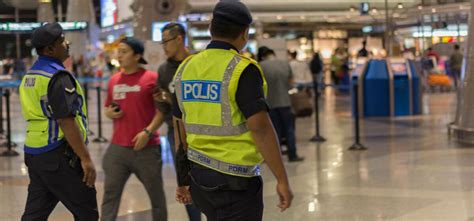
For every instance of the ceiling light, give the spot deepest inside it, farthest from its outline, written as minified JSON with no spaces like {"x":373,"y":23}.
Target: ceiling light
{"x":352,"y":9}
{"x":400,"y":5}
{"x":420,"y":6}
{"x":279,"y":17}
{"x":303,"y":17}
{"x":374,"y":10}
{"x":433,"y":10}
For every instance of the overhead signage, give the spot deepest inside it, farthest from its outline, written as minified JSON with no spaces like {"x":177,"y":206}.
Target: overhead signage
{"x":373,"y":29}
{"x":30,"y":26}
{"x":367,"y":29}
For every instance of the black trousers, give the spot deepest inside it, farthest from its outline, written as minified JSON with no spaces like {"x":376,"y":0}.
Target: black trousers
{"x":223,"y":197}
{"x":55,"y":178}
{"x":284,"y":122}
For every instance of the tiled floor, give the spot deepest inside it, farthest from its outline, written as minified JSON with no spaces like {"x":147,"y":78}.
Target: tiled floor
{"x":410,"y":172}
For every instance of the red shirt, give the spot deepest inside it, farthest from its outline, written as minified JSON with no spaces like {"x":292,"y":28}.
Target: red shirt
{"x":134,"y":95}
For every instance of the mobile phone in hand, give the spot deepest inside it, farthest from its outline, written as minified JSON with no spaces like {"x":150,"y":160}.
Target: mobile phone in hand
{"x":115,"y":106}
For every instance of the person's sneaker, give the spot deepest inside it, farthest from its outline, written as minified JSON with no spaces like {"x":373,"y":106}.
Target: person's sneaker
{"x":296,"y":159}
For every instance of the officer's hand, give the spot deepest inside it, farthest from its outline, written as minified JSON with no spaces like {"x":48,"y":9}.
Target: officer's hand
{"x":89,"y":172}
{"x":162,"y":96}
{"x":285,"y":194}
{"x":140,"y":140}
{"x":183,"y":195}
{"x":112,"y":114}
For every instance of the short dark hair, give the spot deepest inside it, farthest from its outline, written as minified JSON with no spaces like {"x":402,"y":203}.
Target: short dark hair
{"x":227,"y":31}
{"x":175,"y":29}
{"x":293,"y":54}
{"x":264,"y":52}
{"x":39,"y":51}
{"x":457,"y":47}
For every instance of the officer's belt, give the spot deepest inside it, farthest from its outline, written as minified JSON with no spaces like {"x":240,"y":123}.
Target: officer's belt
{"x":228,"y":168}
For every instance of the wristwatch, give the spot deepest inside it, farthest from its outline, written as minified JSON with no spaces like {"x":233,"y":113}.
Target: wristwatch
{"x":150,"y":134}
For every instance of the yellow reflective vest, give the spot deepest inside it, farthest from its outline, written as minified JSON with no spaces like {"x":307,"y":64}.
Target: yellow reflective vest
{"x":43,"y":133}
{"x":217,"y":136}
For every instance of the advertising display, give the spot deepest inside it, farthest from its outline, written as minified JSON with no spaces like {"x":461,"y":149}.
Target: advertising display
{"x":108,"y":13}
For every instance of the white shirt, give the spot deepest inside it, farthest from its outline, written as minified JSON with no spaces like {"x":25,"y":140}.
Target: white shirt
{"x":301,"y":72}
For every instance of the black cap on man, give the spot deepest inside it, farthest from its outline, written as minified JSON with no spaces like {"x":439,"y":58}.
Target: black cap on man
{"x":46,"y":35}
{"x":230,"y":19}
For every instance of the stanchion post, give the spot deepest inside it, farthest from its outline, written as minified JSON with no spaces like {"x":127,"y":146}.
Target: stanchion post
{"x":357,"y":145}
{"x":86,"y":95}
{"x":1,"y":113}
{"x":317,"y":137}
{"x":100,"y":138}
{"x":9,"y":151}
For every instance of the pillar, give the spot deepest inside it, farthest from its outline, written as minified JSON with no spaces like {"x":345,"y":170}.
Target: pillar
{"x":148,"y":11}
{"x":81,"y":41}
{"x":45,"y":11}
{"x":462,"y":129}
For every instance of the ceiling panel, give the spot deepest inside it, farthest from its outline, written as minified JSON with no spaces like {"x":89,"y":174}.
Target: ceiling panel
{"x":299,"y":5}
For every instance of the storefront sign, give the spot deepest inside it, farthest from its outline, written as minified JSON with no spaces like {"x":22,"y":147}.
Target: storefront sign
{"x":332,"y":34}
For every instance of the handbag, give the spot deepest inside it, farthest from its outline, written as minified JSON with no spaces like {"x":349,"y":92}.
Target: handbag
{"x":301,"y":102}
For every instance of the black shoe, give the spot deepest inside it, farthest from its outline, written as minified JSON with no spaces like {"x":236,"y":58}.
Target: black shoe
{"x":284,"y":152}
{"x":296,"y":159}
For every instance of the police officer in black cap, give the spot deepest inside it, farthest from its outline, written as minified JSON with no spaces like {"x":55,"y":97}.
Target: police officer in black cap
{"x":59,"y":165}
{"x":224,"y":151}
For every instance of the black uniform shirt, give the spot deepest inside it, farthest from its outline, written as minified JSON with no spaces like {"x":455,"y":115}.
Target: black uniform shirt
{"x":250,"y":96}
{"x":63,"y":99}
{"x":165,"y":82}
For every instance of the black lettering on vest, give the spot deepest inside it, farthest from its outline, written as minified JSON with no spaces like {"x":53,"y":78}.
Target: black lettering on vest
{"x":237,"y":169}
{"x":30,"y":82}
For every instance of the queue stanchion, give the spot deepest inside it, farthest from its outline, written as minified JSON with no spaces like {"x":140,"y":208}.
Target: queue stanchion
{"x":86,"y":95}
{"x":2,"y":131}
{"x":357,"y":145}
{"x":9,"y":152}
{"x":317,"y":137}
{"x":99,"y":138}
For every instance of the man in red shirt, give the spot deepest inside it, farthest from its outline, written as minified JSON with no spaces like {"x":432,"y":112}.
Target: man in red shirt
{"x":134,"y":147}
{"x":433,"y":53}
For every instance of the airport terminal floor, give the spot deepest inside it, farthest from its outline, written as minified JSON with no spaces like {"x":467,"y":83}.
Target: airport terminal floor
{"x":411,"y":171}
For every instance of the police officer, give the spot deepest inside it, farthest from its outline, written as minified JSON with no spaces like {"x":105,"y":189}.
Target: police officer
{"x":53,"y":103}
{"x":221,"y":118}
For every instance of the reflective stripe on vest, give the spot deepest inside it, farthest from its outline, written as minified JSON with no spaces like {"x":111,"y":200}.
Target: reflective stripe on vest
{"x":39,"y":72}
{"x":234,"y":169}
{"x":43,"y":133}
{"x":227,"y":129}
